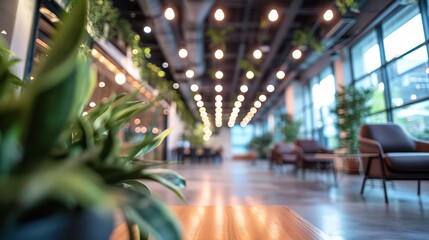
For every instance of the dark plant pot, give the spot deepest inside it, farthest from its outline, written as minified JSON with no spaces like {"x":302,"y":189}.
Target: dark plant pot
{"x":351,"y":165}
{"x":79,"y":225}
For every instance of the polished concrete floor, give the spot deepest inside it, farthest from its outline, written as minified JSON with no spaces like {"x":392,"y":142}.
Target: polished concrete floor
{"x":339,"y":210}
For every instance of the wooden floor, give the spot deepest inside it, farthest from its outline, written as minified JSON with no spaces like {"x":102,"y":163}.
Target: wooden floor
{"x":339,"y":210}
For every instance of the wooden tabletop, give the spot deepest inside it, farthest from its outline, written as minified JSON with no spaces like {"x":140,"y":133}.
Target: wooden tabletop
{"x":241,"y":222}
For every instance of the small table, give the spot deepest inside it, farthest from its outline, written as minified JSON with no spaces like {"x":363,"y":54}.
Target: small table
{"x":340,"y":158}
{"x":239,"y":222}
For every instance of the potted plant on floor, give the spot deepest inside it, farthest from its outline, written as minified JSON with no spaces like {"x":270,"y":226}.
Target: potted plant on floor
{"x":260,"y":145}
{"x":61,"y":173}
{"x":351,"y":109}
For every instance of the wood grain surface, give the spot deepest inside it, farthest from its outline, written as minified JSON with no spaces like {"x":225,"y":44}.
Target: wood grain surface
{"x":239,"y":222}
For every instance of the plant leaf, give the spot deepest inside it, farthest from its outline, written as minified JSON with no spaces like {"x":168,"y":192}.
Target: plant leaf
{"x":153,"y":217}
{"x":148,"y":144}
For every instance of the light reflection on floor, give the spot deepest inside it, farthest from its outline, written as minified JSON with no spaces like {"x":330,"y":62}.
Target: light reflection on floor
{"x":339,"y":211}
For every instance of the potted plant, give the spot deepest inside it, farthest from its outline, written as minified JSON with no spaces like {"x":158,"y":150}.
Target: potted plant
{"x":352,"y":106}
{"x":289,"y":128}
{"x":261,"y":144}
{"x":61,"y":173}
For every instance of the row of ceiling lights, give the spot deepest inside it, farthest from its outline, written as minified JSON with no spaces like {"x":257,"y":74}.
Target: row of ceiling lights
{"x":219,"y":15}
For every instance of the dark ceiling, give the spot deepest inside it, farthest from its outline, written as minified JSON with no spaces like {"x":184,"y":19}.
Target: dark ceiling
{"x":249,"y":30}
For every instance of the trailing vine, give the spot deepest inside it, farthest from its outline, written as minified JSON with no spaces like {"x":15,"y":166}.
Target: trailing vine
{"x":104,"y":22}
{"x":305,"y":37}
{"x":347,"y":5}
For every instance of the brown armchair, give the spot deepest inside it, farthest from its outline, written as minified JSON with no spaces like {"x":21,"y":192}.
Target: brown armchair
{"x":283,"y":153}
{"x":307,"y":150}
{"x":397,"y":155}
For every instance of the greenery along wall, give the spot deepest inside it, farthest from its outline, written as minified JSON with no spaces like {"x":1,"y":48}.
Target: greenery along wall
{"x":104,"y":22}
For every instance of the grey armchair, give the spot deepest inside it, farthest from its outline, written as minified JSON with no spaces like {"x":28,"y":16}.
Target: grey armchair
{"x":283,"y":153}
{"x":307,"y":150}
{"x":397,"y":155}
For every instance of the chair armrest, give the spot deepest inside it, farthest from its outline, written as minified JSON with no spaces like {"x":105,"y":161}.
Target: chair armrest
{"x":367,"y":145}
{"x":325,"y":150}
{"x":421,"y":146}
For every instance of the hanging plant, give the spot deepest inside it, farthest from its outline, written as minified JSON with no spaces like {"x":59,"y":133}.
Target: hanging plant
{"x":247,"y":65}
{"x":347,"y":5}
{"x":303,"y":38}
{"x":218,"y":37}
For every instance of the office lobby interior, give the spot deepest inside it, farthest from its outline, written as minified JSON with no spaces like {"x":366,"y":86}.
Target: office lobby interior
{"x":214,"y":119}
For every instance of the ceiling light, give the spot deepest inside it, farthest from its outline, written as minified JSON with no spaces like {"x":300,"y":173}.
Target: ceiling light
{"x":101,"y":84}
{"x":240,"y":98}
{"x":280,"y":74}
{"x":198,"y":97}
{"x":120,"y":78}
{"x":189,"y":74}
{"x":183,"y":53}
{"x":244,"y":88}
{"x":262,"y":98}
{"x":253,"y":110}
{"x":297,"y":54}
{"x":169,"y":14}
{"x":218,"y":98}
{"x":270,"y":88}
{"x":194,"y":87}
{"x":218,"y":54}
{"x":219,"y":15}
{"x":147,"y":29}
{"x":218,"y":104}
{"x":200,"y":103}
{"x":165,"y":64}
{"x":238,"y":104}
{"x":328,"y":15}
{"x":257,"y":54}
{"x":257,"y":104}
{"x":250,"y":75}
{"x":218,"y":88}
{"x":273,"y":15}
{"x":176,"y":85}
{"x":219,"y":74}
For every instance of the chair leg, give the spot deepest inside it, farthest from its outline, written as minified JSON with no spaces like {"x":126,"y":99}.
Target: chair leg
{"x":334,"y":173}
{"x":418,"y":187}
{"x":385,"y":191}
{"x":362,"y":188}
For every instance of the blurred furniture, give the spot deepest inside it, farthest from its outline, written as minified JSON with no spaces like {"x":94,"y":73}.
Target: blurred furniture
{"x":398,"y":155}
{"x":283,"y":153}
{"x":307,"y":150}
{"x":238,"y":222}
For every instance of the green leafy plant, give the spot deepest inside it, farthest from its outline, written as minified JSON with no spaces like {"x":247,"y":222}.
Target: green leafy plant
{"x":247,"y":65}
{"x":289,"y":128}
{"x":261,"y":144}
{"x":352,"y":107}
{"x":104,"y":22}
{"x":347,"y":5}
{"x":53,"y":160}
{"x":305,"y":38}
{"x":218,"y":37}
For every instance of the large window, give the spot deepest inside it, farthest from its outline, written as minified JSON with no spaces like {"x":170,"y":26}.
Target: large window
{"x":318,"y":100}
{"x":393,"y":61}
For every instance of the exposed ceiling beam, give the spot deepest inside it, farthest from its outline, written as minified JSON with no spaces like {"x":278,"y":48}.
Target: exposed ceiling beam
{"x":241,"y":49}
{"x":284,"y":28}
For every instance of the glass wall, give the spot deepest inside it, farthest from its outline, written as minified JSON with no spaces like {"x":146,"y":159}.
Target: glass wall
{"x":315,"y":111}
{"x":393,"y":61}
